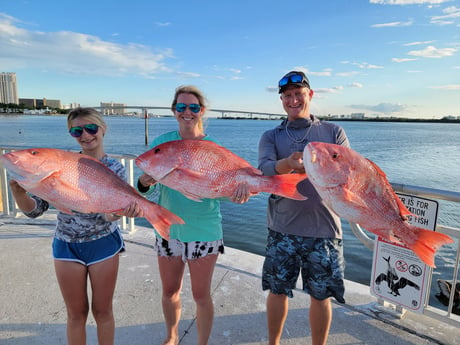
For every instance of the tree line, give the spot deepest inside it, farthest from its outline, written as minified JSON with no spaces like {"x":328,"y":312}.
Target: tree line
{"x":19,"y":108}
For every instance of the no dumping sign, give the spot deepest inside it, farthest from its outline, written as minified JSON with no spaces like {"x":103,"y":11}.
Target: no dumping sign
{"x":398,"y":275}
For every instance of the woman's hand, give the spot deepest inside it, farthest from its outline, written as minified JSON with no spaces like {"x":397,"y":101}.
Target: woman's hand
{"x":241,"y":194}
{"x":132,"y":211}
{"x":23,"y":200}
{"x":16,"y":189}
{"x":146,"y":180}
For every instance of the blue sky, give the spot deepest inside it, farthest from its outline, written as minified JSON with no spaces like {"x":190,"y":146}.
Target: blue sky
{"x":380,"y":57}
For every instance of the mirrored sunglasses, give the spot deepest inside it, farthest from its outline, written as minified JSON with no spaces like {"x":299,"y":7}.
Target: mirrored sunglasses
{"x":194,"y":108}
{"x":91,"y":128}
{"x":292,"y":79}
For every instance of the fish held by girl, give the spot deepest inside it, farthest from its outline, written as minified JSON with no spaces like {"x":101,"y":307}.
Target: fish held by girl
{"x":72,"y":181}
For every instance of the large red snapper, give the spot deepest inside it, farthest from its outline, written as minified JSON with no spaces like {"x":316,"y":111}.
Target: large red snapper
{"x":358,"y":190}
{"x":75,"y":182}
{"x":203,"y":169}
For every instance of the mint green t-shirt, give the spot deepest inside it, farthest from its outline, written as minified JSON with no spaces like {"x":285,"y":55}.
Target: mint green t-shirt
{"x":203,"y":220}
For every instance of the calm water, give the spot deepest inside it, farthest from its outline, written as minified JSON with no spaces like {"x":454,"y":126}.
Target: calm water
{"x":423,"y":154}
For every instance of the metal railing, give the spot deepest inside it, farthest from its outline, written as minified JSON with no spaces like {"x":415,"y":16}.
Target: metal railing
{"x":10,"y":210}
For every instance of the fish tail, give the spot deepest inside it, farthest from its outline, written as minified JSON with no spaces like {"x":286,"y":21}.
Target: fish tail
{"x":286,"y":186}
{"x":428,"y":243}
{"x":161,"y":219}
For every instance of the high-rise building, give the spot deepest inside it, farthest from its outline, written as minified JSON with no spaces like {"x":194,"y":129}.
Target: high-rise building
{"x":8,"y":88}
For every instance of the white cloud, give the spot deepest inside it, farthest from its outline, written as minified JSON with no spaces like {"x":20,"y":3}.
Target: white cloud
{"x":346,"y":74}
{"x":384,"y":108}
{"x":451,"y":14}
{"x":402,"y":59}
{"x":417,"y":43}
{"x":433,"y":52}
{"x":447,"y":87}
{"x":75,"y":53}
{"x":392,"y":24}
{"x":407,"y":2}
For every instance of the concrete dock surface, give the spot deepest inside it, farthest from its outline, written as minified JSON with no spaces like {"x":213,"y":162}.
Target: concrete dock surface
{"x":32,"y":310}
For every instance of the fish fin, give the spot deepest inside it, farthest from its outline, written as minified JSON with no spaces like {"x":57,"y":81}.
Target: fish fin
{"x":191,"y":196}
{"x":251,"y":171}
{"x":354,"y":198}
{"x":161,"y":218}
{"x":403,"y":211}
{"x":428,"y":243}
{"x":379,"y":171}
{"x":184,"y":175}
{"x":285,"y":185}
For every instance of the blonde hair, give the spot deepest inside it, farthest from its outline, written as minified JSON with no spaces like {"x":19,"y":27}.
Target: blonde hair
{"x":90,"y":113}
{"x":193,"y":90}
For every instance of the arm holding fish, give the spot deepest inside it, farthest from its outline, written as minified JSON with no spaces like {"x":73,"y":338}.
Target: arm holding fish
{"x":133,"y":210}
{"x":292,"y":163}
{"x":25,"y":202}
{"x":270,"y":161}
{"x":31,"y":206}
{"x":241,"y":193}
{"x":144,"y":182}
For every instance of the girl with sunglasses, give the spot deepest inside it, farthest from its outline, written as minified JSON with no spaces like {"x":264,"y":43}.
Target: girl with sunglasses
{"x":85,"y":245}
{"x":199,"y":241}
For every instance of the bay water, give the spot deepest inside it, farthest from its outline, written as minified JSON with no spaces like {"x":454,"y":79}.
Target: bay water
{"x":421,"y":154}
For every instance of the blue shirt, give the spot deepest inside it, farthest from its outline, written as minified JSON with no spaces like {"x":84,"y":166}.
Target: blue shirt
{"x":203,"y":220}
{"x":311,"y":217}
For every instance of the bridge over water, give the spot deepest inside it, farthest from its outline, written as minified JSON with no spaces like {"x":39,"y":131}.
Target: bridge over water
{"x":153,"y":111}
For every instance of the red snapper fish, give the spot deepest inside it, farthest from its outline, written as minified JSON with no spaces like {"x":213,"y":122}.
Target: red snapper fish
{"x":358,"y":191}
{"x":203,"y":169}
{"x":75,"y":182}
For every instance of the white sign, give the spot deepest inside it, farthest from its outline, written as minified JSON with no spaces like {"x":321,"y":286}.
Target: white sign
{"x":398,"y":275}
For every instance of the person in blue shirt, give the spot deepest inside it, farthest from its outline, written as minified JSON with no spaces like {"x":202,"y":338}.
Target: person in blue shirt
{"x":303,"y":236}
{"x":196,"y":243}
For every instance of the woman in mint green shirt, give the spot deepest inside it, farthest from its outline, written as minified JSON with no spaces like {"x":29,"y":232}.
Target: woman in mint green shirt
{"x":199,"y":241}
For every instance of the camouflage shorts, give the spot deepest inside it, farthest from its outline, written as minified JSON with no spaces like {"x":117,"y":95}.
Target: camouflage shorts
{"x":319,"y":260}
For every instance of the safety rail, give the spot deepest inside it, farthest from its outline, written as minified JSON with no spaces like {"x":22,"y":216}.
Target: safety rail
{"x":10,"y":210}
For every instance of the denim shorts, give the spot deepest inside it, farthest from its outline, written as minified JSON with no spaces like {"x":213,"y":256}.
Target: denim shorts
{"x":188,"y":250}
{"x":91,"y":252}
{"x":319,"y":260}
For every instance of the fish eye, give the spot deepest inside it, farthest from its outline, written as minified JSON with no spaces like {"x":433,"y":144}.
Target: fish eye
{"x":157,"y":150}
{"x":335,"y":155}
{"x":34,"y":152}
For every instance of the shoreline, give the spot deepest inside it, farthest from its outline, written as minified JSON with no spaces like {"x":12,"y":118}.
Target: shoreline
{"x":280,"y":117}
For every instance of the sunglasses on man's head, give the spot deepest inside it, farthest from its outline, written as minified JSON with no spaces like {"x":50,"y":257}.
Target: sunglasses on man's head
{"x":293,"y":79}
{"x":76,"y":132}
{"x":194,"y":108}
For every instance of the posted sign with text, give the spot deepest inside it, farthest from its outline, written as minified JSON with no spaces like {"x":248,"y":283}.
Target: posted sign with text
{"x":398,"y":275}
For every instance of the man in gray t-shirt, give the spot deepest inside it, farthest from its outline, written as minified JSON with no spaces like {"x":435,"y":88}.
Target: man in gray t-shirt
{"x":303,"y":236}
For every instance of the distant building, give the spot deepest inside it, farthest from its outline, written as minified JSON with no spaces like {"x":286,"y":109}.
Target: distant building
{"x":111,"y":108}
{"x":8,"y":88}
{"x":40,"y":103}
{"x":357,"y":116}
{"x":70,"y":106}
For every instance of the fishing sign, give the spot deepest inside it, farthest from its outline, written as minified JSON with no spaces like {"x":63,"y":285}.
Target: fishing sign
{"x":398,"y":275}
